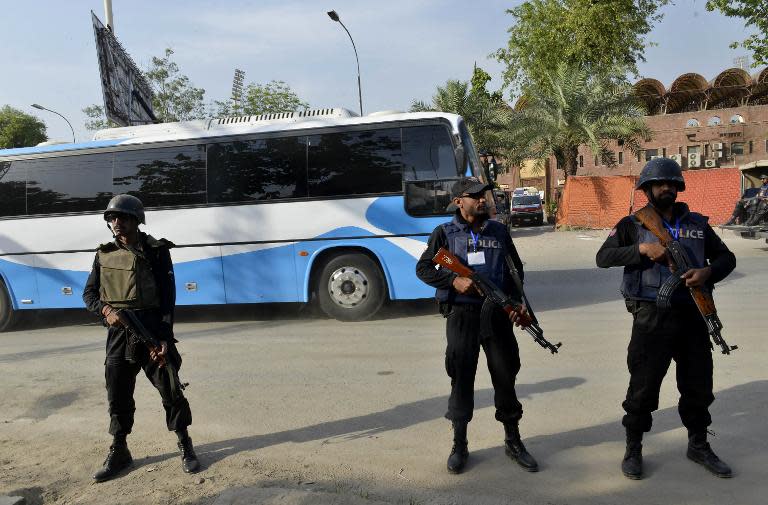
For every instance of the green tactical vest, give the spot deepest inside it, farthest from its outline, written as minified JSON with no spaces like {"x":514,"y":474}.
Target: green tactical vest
{"x":126,"y":279}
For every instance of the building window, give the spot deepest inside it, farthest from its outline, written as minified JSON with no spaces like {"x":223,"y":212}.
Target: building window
{"x":621,"y":157}
{"x":737,"y":148}
{"x":597,"y":161}
{"x":706,"y":150}
{"x":581,"y":161}
{"x":692,"y":123}
{"x":664,"y":152}
{"x":694,"y":149}
{"x":640,"y":153}
{"x":737,"y":119}
{"x":650,"y":154}
{"x":751,"y":147}
{"x":714,"y":121}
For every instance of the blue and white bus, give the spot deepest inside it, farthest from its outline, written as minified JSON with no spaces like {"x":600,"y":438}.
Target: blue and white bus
{"x":292,"y":207}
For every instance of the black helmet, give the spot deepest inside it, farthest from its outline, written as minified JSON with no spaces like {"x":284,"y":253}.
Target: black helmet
{"x":661,"y":169}
{"x":126,"y":204}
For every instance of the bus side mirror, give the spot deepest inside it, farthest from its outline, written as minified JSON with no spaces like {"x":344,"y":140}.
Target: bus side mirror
{"x":461,"y":160}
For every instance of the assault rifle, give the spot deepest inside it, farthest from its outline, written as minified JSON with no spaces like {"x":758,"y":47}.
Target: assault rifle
{"x":133,"y":324}
{"x":528,"y":321}
{"x":682,"y":263}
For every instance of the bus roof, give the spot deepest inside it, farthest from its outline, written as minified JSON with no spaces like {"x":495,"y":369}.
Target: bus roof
{"x":209,"y":128}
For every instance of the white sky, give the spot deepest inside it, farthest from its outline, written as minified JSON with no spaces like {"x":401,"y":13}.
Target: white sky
{"x":406,"y":48}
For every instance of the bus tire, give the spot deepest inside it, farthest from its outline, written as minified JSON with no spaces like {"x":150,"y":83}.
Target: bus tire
{"x":351,"y":287}
{"x":8,"y":316}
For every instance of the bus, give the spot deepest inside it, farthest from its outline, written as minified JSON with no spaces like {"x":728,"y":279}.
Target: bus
{"x":321,"y":205}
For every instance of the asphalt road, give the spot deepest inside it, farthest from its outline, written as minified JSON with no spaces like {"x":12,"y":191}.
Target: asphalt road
{"x":293,"y":407}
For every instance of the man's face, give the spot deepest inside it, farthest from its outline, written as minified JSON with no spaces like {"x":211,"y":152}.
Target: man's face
{"x":472,"y":205}
{"x":664,"y":193}
{"x":764,"y":180}
{"x":123,"y":225}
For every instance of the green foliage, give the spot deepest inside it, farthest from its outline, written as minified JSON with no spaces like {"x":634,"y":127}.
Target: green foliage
{"x":572,"y":108}
{"x":755,"y":13}
{"x":175,"y":97}
{"x":486,"y":114}
{"x":18,"y":129}
{"x":97,"y":120}
{"x":590,"y":33}
{"x":270,"y":98}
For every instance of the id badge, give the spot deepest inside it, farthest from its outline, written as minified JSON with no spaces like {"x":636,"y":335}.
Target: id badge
{"x":476,"y":258}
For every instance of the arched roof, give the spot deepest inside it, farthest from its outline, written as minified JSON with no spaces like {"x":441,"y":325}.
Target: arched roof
{"x":732,"y":77}
{"x":730,"y":85}
{"x":761,"y":77}
{"x":687,"y":89}
{"x":651,"y":92}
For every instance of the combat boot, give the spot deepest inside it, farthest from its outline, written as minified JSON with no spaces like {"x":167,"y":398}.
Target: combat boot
{"x":700,"y":452}
{"x":515,"y":449}
{"x":118,"y":459}
{"x":632,"y":464}
{"x":189,"y":461}
{"x":459,"y":453}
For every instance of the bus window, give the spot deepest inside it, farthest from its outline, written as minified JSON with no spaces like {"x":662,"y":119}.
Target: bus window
{"x":257,"y":169}
{"x":13,"y":179}
{"x":69,"y":183}
{"x":356,"y":162}
{"x":427,"y":153}
{"x":162,"y":177}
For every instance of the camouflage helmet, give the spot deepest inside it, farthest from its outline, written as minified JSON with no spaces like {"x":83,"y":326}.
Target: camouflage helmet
{"x":126,"y":204}
{"x":661,"y":169}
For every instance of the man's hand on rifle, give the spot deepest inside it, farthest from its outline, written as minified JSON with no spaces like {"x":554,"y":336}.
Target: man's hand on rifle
{"x":696,"y":277}
{"x":464,"y":285}
{"x":159,"y":355}
{"x":110,"y":314}
{"x":519,"y":316}
{"x":655,"y":252}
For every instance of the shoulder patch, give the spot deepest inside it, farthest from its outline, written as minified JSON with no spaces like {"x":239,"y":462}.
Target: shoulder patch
{"x":613,"y":232}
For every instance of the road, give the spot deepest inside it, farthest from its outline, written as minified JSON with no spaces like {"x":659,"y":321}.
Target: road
{"x":293,"y":408}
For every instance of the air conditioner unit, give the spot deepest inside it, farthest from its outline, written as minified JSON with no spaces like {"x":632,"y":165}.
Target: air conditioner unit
{"x":717,"y":146}
{"x":710,"y":163}
{"x":677,"y":157}
{"x":694,"y":160}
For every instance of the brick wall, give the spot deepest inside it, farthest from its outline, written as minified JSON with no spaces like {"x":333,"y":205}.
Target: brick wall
{"x":600,"y":202}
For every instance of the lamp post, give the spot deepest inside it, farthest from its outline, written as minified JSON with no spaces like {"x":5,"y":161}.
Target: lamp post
{"x":334,"y":16}
{"x":38,"y":106}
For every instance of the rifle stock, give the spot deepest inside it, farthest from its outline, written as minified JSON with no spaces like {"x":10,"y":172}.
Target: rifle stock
{"x":702,"y":297}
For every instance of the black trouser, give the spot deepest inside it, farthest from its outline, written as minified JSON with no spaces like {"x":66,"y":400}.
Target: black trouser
{"x":462,"y":353}
{"x":121,"y":382}
{"x":657,"y":338}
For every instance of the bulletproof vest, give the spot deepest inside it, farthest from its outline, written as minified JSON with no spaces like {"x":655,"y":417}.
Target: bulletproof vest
{"x":490,"y":241}
{"x":642,"y":282}
{"x":126,"y":279}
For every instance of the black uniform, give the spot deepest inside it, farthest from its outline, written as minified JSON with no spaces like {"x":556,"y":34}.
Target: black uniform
{"x":125,"y":357}
{"x":659,"y":336}
{"x":463,"y":328}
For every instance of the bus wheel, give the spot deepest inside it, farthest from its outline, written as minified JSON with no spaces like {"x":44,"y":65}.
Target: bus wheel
{"x":8,"y":316}
{"x":350,"y":287}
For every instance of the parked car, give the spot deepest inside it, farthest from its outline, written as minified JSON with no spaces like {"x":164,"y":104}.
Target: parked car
{"x":526,"y":209}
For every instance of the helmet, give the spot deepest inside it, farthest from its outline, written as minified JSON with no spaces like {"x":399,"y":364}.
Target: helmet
{"x":661,"y":169}
{"x":126,"y":204}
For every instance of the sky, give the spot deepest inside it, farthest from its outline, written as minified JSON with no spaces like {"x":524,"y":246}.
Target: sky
{"x":406,"y":48}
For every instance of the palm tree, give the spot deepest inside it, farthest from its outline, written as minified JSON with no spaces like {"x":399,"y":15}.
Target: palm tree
{"x":576,"y":108}
{"x":486,"y":115}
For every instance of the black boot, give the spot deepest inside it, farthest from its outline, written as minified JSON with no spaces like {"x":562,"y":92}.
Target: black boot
{"x":189,"y":462}
{"x":700,"y":452}
{"x":515,"y":449}
{"x":118,"y":459}
{"x":459,"y":453}
{"x":632,"y":464}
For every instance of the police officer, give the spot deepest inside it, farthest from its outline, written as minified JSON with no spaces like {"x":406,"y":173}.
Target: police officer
{"x":679,"y":333}
{"x":483,"y":245}
{"x":748,"y":211}
{"x":135,"y":272}
{"x":760,"y":213}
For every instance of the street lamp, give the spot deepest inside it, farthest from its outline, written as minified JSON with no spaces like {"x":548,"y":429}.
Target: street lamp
{"x":38,"y":106}
{"x":334,"y":16}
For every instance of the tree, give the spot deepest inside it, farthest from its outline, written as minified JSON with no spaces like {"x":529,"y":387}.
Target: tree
{"x":18,"y":129}
{"x":271,"y":98}
{"x":755,"y":13}
{"x":572,"y":108}
{"x":487,"y":116}
{"x":593,"y":34}
{"x":175,"y":98}
{"x":97,"y":119}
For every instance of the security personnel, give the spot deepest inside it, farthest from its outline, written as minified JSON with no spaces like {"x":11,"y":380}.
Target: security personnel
{"x":483,"y":245}
{"x":135,"y":272}
{"x":679,"y":333}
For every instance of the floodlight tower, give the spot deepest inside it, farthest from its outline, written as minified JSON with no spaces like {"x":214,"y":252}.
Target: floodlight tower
{"x":237,"y":90}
